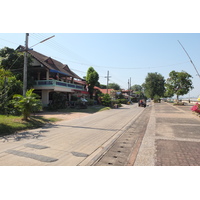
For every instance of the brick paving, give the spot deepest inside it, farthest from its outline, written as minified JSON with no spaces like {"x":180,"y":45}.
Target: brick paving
{"x":177,"y":153}
{"x":177,"y":136}
{"x":172,"y":137}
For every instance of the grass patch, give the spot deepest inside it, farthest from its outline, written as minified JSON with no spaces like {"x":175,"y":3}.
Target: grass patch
{"x":105,"y":108}
{"x":53,"y":119}
{"x":11,"y":124}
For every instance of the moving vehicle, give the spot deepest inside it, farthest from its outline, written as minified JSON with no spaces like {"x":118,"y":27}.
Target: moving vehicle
{"x":142,"y":103}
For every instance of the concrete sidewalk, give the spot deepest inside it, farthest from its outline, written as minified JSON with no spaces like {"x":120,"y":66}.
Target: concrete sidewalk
{"x":172,"y":137}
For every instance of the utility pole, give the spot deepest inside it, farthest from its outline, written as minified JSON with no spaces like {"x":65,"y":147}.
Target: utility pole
{"x":128,"y":84}
{"x":107,"y":80}
{"x":26,"y":61}
{"x":25,"y":66}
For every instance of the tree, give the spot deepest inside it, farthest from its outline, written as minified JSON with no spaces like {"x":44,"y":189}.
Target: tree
{"x":136,"y":88}
{"x":178,"y":83}
{"x":154,"y":85}
{"x":92,"y":78}
{"x":28,"y":104}
{"x":9,"y":85}
{"x":103,"y":86}
{"x":114,"y":86}
{"x":13,"y":60}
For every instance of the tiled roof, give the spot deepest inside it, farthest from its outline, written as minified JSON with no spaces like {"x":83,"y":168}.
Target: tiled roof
{"x":51,"y":63}
{"x":104,"y":91}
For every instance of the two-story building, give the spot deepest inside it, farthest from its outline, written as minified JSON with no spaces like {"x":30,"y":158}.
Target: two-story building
{"x":52,"y":76}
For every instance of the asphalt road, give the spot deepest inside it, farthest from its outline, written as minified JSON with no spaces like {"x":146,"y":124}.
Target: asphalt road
{"x":77,"y":142}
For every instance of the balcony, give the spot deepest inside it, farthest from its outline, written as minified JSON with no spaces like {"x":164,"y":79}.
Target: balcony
{"x":57,"y":86}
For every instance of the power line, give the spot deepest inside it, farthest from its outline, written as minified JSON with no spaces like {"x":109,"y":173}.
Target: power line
{"x":60,"y":48}
{"x":57,"y":47}
{"x":9,"y":41}
{"x":106,"y":67}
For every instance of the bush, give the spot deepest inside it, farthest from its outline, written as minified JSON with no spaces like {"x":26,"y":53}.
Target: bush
{"x":106,"y":100}
{"x":116,"y":103}
{"x":28,"y":104}
{"x":196,"y":108}
{"x":90,"y":102}
{"x":134,"y":99}
{"x":123,"y":101}
{"x":156,"y":99}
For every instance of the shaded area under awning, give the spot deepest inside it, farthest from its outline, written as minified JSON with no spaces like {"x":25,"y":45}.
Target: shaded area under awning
{"x":56,"y":71}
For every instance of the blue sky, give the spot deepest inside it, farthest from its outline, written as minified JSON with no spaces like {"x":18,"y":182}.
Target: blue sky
{"x":125,"y":55}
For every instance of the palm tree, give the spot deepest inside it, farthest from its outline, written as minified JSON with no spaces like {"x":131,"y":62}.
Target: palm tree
{"x":28,"y":104}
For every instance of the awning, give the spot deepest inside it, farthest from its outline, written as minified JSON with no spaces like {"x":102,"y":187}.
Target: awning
{"x":84,"y":92}
{"x":56,"y":71}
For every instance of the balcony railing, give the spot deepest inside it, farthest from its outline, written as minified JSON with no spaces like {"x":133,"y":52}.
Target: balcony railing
{"x":59,"y":84}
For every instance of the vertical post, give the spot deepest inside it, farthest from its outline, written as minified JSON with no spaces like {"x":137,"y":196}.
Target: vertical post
{"x":25,"y":66}
{"x":107,"y":80}
{"x":128,"y":84}
{"x":47,"y":74}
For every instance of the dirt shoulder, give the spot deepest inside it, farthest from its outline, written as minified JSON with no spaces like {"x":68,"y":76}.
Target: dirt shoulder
{"x":63,"y":116}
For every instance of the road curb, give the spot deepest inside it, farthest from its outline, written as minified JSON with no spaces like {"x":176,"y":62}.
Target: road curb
{"x":146,"y":154}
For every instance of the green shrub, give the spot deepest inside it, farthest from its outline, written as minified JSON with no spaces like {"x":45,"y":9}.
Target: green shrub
{"x":28,"y":104}
{"x":106,"y":100}
{"x":179,"y":104}
{"x":123,"y":101}
{"x":134,"y":99}
{"x":156,"y":99}
{"x":90,"y":102}
{"x":116,"y":103}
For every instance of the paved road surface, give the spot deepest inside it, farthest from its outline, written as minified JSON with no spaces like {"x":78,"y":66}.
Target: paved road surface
{"x":124,"y":150}
{"x":68,"y":143}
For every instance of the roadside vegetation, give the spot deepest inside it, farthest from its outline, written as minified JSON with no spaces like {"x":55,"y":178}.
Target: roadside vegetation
{"x":11,"y":124}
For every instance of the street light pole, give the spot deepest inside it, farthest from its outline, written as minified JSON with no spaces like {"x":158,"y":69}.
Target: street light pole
{"x":26,"y":61}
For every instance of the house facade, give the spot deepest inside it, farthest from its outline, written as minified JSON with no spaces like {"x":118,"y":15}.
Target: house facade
{"x":52,"y":76}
